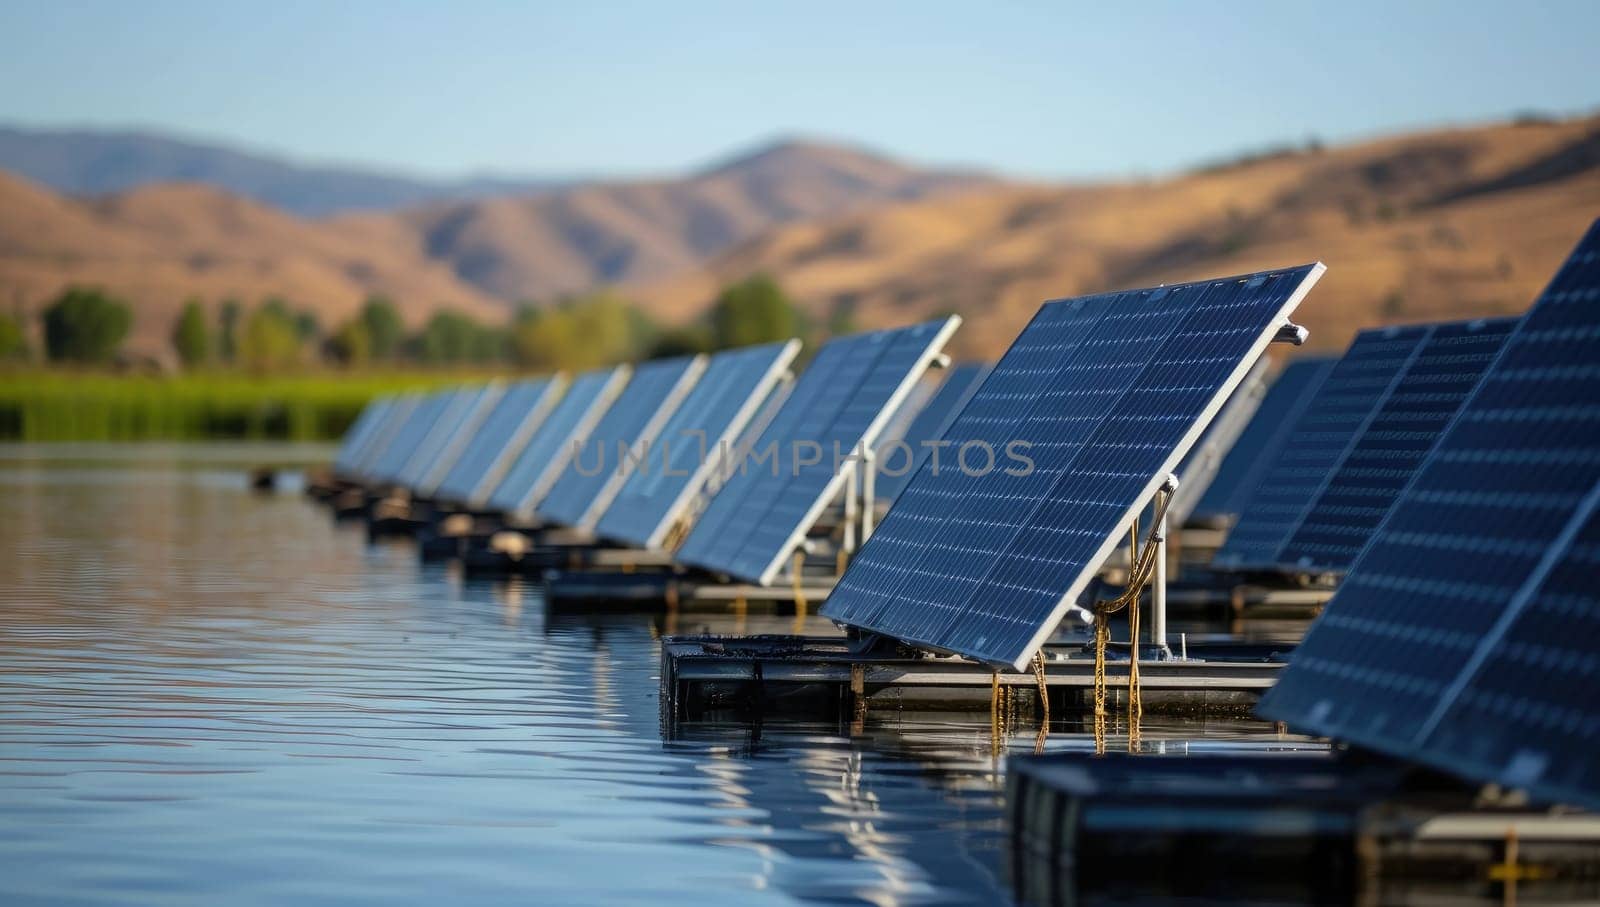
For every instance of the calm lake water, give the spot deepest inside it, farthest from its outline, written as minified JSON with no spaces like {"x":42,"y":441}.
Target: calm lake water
{"x":210,"y":695}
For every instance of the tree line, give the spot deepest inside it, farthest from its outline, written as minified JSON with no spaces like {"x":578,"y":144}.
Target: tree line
{"x":88,"y":325}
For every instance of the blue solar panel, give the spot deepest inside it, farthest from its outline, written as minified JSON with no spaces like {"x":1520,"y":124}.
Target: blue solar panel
{"x":1257,"y":448}
{"x":1385,"y":456}
{"x":361,"y":433}
{"x":399,"y":416}
{"x":840,"y":404}
{"x":595,"y":475}
{"x":716,"y":412}
{"x":492,"y":448}
{"x":899,"y":462}
{"x":392,"y":460}
{"x":1199,"y":468}
{"x":443,"y":443}
{"x":552,"y":446}
{"x":1107,"y":393}
{"x":1476,"y":593}
{"x":1344,"y":404}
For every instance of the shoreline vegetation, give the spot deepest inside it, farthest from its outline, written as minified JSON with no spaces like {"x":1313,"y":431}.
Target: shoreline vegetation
{"x":274,"y":373}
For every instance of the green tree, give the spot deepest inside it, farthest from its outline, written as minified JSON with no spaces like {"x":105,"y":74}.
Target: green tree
{"x":351,"y":344}
{"x":544,"y":339}
{"x":683,"y":341}
{"x":754,"y":310}
{"x":85,"y":325}
{"x":228,"y":315}
{"x":451,"y":338}
{"x":13,"y":338}
{"x":269,"y":341}
{"x":190,"y":335}
{"x":842,"y":320}
{"x":306,"y":325}
{"x":385,"y":331}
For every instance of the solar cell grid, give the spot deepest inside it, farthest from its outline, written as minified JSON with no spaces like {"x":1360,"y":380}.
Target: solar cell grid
{"x":1461,"y":578}
{"x":930,"y":424}
{"x":489,"y":453}
{"x":1345,"y":403}
{"x":1108,"y":392}
{"x":840,"y":404}
{"x":591,"y":480}
{"x":717,"y":410}
{"x":457,"y":435}
{"x":536,"y":467}
{"x":1387,"y":452}
{"x":442,"y":442}
{"x":1255,"y":450}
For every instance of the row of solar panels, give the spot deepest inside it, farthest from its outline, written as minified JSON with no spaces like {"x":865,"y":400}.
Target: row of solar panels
{"x":625,"y":453}
{"x":1451,"y":471}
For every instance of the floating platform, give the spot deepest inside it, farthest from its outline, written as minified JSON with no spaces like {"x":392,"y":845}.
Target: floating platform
{"x":599,"y":584}
{"x":1340,"y":827}
{"x":820,"y":678}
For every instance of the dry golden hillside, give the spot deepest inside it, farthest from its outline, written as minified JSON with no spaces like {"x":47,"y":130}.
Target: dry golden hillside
{"x":162,"y":244}
{"x":1452,"y":223}
{"x":557,"y":242}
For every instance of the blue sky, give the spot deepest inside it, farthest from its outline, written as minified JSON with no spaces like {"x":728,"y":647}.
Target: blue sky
{"x":1059,"y":90}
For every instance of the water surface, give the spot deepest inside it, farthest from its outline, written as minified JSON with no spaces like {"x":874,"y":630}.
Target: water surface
{"x":208,"y":694}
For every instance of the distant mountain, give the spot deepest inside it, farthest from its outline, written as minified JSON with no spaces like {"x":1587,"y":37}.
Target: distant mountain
{"x":565,"y":240}
{"x":1423,"y":226}
{"x":86,"y":162}
{"x":1429,"y":225}
{"x":159,"y":245}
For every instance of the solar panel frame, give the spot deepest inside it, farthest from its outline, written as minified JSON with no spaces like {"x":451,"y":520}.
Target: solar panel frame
{"x":747,"y":377}
{"x":490,"y":452}
{"x":842,"y":402}
{"x":1199,"y":468}
{"x":1345,"y":404}
{"x":960,"y":383}
{"x":659,"y":388}
{"x":1085,"y":363}
{"x":541,"y":461}
{"x":361,"y":432}
{"x":1459,"y":562}
{"x":1256,"y":449}
{"x":1392,"y":445}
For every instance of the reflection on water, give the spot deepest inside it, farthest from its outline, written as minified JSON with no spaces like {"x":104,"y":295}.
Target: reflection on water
{"x":211,"y":694}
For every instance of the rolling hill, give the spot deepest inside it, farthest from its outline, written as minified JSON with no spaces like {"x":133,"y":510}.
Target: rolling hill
{"x":1427,"y":225}
{"x":1439,"y":224}
{"x":95,"y":162}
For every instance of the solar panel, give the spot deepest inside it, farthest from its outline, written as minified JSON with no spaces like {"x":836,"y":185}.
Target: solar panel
{"x":489,"y":453}
{"x":1476,"y":595}
{"x":547,"y":453}
{"x":361,"y":432}
{"x":458,"y":434}
{"x":898,"y":464}
{"x":392,"y":459}
{"x":1388,"y":451}
{"x":840,"y":403}
{"x":399,"y":416}
{"x":443,"y":443}
{"x":595,"y":475}
{"x":1198,"y":469}
{"x":717,"y":411}
{"x":1257,"y":448}
{"x":1345,"y":403}
{"x":1103,"y":395}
